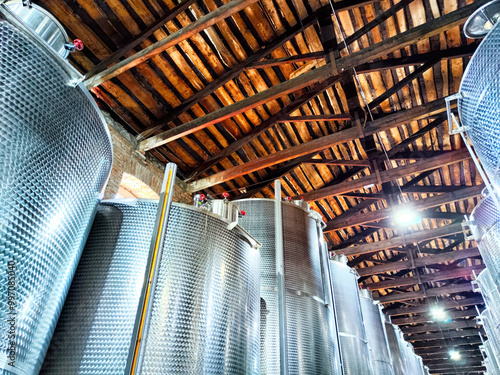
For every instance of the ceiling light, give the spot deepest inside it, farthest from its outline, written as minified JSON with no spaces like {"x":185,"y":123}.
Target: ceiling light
{"x":405,"y":216}
{"x":439,"y":314}
{"x":454,"y":355}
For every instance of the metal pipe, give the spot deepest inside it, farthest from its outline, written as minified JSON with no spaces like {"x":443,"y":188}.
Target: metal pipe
{"x":142,"y":321}
{"x":280,"y":278}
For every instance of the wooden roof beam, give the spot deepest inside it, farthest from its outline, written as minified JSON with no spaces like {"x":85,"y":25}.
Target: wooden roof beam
{"x":447,"y":335}
{"x":359,"y":163}
{"x":421,"y":262}
{"x":449,"y":343}
{"x":325,"y":117}
{"x":393,"y":242}
{"x":441,"y":327}
{"x":421,"y":204}
{"x":138,"y":39}
{"x":459,"y":314}
{"x":418,"y":59}
{"x":456,"y":273}
{"x":261,"y":128}
{"x":445,"y":304}
{"x":173,"y":39}
{"x":427,"y":30}
{"x":430,"y":292}
{"x":232,"y":73}
{"x":389,"y":175}
{"x":319,"y":144}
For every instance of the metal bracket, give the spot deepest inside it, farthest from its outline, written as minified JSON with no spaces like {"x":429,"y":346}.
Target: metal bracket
{"x":475,"y":286}
{"x":466,"y":225}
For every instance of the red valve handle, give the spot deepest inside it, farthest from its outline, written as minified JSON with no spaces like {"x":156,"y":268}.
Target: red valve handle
{"x":203,"y":197}
{"x":225,"y":195}
{"x":78,"y":44}
{"x":289,"y":199}
{"x":302,"y":198}
{"x":243,"y":213}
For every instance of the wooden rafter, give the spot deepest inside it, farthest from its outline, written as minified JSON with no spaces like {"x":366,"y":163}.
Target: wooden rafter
{"x":161,"y":45}
{"x":429,"y":29}
{"x":384,"y":123}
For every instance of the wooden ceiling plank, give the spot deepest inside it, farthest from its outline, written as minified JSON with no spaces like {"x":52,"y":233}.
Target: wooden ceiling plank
{"x":405,"y":81}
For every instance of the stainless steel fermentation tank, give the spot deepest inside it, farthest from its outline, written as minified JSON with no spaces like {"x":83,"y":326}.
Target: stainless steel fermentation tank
{"x":205,"y":310}
{"x":479,"y":103}
{"x":353,"y":343}
{"x":484,"y":223}
{"x":393,"y":333}
{"x":311,"y":341}
{"x":55,"y":158}
{"x":490,"y":292}
{"x":374,"y":324}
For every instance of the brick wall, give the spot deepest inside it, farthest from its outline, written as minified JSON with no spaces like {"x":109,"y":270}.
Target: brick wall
{"x":126,"y":159}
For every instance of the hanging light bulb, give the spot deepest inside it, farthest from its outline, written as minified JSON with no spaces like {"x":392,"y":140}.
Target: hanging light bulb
{"x":406,"y":215}
{"x":455,"y":356}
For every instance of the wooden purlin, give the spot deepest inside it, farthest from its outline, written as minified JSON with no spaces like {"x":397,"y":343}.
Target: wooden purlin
{"x":449,"y":256}
{"x":436,"y":327}
{"x":161,"y":45}
{"x":233,"y":73}
{"x":425,"y":307}
{"x":424,"y":318}
{"x":256,"y":131}
{"x":421,"y":204}
{"x":445,"y":334}
{"x":458,"y":272}
{"x":430,"y":292}
{"x":384,"y":123}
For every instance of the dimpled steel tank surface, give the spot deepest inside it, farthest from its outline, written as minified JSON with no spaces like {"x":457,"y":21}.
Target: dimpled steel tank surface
{"x":376,"y":335}
{"x":94,"y":332}
{"x":312,"y":343}
{"x":353,"y":343}
{"x":55,"y":158}
{"x":205,"y":308}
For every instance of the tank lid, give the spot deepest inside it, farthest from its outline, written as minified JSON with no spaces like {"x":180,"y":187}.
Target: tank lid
{"x":44,"y":24}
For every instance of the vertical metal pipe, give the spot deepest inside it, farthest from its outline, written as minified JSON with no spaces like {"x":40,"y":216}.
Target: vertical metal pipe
{"x":280,"y":277}
{"x":154,"y":260}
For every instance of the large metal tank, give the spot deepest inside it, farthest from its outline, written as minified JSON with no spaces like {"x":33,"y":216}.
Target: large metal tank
{"x":492,"y":329}
{"x":478,"y":102}
{"x":353,"y":343}
{"x":490,"y":292}
{"x":310,"y":325}
{"x":205,"y":311}
{"x":493,"y":359}
{"x":392,"y":338}
{"x":376,"y":335}
{"x":100,"y":311}
{"x":55,"y":158}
